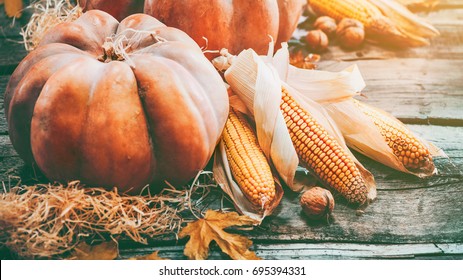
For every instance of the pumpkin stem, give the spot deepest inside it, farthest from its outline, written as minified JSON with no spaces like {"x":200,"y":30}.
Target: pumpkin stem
{"x":119,"y":46}
{"x":110,"y":53}
{"x":224,"y":61}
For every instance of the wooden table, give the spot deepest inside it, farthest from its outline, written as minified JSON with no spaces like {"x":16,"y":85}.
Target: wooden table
{"x":412,"y":218}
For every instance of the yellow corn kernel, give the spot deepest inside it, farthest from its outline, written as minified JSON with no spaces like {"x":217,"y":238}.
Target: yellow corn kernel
{"x":248,"y":163}
{"x":360,"y":10}
{"x":321,"y":152}
{"x":410,"y":151}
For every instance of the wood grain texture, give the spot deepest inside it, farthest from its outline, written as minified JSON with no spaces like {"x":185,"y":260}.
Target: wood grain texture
{"x":305,"y":251}
{"x":416,"y":90}
{"x":3,"y":124}
{"x":11,"y":53}
{"x":408,"y":209}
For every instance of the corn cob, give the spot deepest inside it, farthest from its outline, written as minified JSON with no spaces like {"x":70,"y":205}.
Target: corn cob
{"x":248,"y":163}
{"x":321,"y":152}
{"x":406,"y":147}
{"x":360,"y":10}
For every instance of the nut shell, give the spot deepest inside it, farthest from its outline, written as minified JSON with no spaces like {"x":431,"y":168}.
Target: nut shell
{"x":317,"y":203}
{"x":317,"y":40}
{"x":350,"y":33}
{"x":326,"y":24}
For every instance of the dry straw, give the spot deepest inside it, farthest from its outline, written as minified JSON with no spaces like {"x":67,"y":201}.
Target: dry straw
{"x":50,"y":220}
{"x":45,"y":15}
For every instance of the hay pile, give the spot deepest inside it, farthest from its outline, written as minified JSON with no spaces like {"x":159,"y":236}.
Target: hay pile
{"x":50,"y":220}
{"x":45,"y":15}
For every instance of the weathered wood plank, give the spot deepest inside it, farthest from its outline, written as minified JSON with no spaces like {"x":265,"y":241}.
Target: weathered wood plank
{"x":415,"y":90}
{"x":303,"y":251}
{"x":3,"y":124}
{"x":449,"y":4}
{"x":398,"y":216}
{"x":11,"y":53}
{"x":451,"y":248}
{"x":408,"y":209}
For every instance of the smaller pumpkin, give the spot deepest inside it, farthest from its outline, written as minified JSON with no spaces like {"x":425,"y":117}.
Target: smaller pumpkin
{"x":234,"y":25}
{"x":117,"y":8}
{"x":116,"y":104}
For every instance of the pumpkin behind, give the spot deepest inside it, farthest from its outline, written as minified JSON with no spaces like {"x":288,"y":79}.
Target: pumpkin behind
{"x":235,"y":25}
{"x":216,"y":24}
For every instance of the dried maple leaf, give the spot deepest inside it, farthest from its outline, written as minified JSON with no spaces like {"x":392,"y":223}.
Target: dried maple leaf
{"x":152,"y":256}
{"x":203,"y":231}
{"x":103,"y":251}
{"x":298,"y":59}
{"x":13,"y":8}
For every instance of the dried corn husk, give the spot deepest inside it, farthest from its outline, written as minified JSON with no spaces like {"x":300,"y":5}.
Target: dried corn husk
{"x":224,"y":178}
{"x":419,"y":5}
{"x":407,"y":22}
{"x":257,"y":83}
{"x":335,"y":91}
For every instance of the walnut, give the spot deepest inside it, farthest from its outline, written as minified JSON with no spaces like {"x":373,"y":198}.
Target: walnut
{"x":317,"y":40}
{"x":317,"y":203}
{"x":326,"y":24}
{"x":350,"y":33}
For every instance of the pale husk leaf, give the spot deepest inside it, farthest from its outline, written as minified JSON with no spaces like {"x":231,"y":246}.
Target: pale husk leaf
{"x":258,"y":86}
{"x":406,"y":21}
{"x":257,"y":83}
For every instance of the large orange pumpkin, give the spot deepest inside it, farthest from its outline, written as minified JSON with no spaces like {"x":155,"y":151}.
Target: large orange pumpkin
{"x":81,"y":110}
{"x":235,"y":25}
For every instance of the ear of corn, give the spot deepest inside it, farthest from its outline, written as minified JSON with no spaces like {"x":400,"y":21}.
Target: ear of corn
{"x":360,"y":10}
{"x":248,"y":163}
{"x":321,"y":152}
{"x":409,"y":150}
{"x":377,"y":25}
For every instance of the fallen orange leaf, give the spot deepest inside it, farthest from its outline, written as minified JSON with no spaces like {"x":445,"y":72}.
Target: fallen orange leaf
{"x":13,"y":8}
{"x":203,"y":231}
{"x":152,"y":256}
{"x":103,"y":251}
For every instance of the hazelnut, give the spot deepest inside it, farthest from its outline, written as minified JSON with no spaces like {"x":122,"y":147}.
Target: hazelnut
{"x":317,"y":203}
{"x":350,"y":33}
{"x":326,"y":24}
{"x":317,"y":40}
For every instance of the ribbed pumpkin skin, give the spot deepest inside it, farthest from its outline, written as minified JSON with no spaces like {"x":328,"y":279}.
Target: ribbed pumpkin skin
{"x":117,"y":123}
{"x":235,"y":25}
{"x":117,"y":8}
